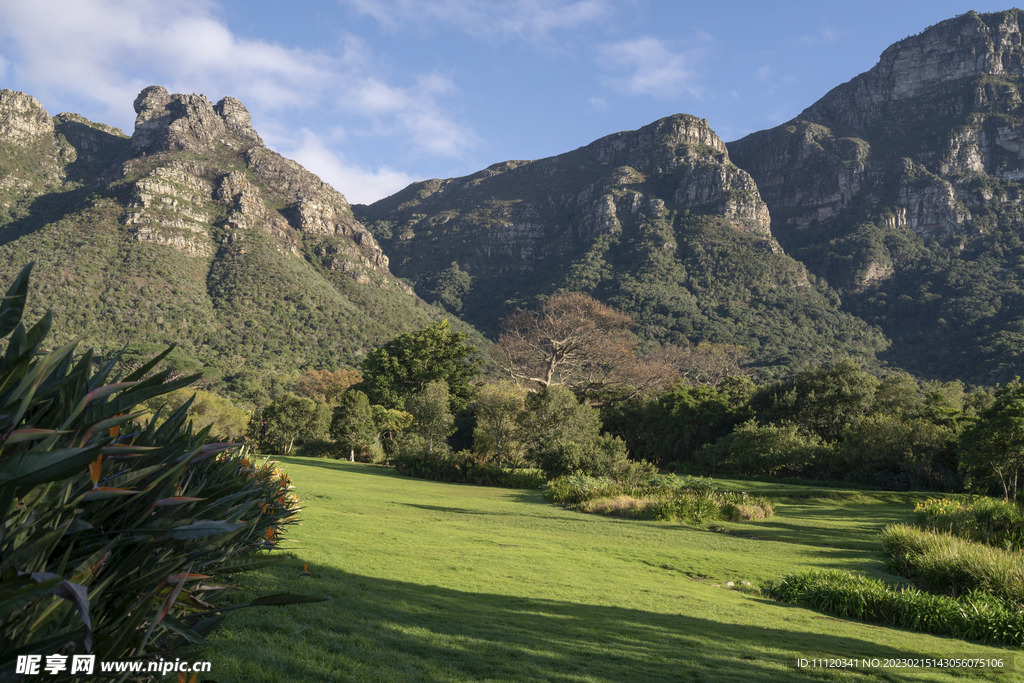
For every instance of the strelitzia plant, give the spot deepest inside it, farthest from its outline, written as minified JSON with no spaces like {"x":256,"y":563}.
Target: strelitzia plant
{"x":118,"y":537}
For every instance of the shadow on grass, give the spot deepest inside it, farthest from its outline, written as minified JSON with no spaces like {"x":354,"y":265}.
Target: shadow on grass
{"x":375,"y":629}
{"x":338,"y":465}
{"x":458,"y":511}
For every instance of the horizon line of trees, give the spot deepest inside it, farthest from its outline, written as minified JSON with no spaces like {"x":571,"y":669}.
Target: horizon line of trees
{"x":579,"y":395}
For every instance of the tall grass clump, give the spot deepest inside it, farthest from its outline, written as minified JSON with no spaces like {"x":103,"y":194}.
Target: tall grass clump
{"x":976,"y":615}
{"x":117,"y":535}
{"x":944,"y":563}
{"x":987,"y":520}
{"x":690,"y":499}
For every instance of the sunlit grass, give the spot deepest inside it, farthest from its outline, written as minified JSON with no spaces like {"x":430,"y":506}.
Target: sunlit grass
{"x":441,"y":582}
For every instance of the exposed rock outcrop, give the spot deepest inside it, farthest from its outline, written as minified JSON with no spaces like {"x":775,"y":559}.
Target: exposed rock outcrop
{"x":909,"y":138}
{"x":22,"y":119}
{"x":513,"y":216}
{"x":170,"y":123}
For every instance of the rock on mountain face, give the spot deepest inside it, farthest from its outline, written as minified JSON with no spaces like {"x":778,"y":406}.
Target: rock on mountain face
{"x":903,"y":187}
{"x":193,"y":232}
{"x":656,"y":221}
{"x":905,"y":141}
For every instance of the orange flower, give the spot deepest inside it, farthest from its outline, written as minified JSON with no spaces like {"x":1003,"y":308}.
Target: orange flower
{"x":94,"y":470}
{"x":271,"y":534}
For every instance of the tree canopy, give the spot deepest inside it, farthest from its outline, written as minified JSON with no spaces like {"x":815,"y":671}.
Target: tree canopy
{"x":409,"y":362}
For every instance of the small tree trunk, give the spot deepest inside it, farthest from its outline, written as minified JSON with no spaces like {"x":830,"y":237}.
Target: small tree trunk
{"x":351,"y":455}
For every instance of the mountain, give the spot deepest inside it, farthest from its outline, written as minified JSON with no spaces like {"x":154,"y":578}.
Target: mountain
{"x":190,"y":232}
{"x":658,"y":222}
{"x":903,"y":188}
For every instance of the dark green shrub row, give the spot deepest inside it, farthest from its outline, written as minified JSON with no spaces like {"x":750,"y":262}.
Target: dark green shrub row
{"x":975,"y":615}
{"x":115,"y":534}
{"x":986,"y":520}
{"x":943,"y":563}
{"x":322,"y":448}
{"x":691,"y":499}
{"x":465,"y":467}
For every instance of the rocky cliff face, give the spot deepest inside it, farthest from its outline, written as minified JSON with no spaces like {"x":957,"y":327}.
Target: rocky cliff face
{"x":656,"y":221}
{"x":512,"y":216}
{"x":904,"y":188}
{"x":196,"y":233}
{"x":906,"y":142}
{"x":172,"y":202}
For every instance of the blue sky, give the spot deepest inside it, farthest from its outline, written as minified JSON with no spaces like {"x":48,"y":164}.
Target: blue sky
{"x":374,"y":94}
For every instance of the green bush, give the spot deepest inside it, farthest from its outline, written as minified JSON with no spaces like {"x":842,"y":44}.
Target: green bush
{"x":753,"y":449}
{"x":464,"y":467}
{"x":111,"y":526}
{"x":322,"y":448}
{"x":986,"y":520}
{"x":689,"y":499}
{"x":603,"y":455}
{"x":976,"y":615}
{"x":943,"y":563}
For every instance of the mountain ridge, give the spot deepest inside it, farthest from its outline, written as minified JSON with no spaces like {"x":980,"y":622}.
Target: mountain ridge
{"x":191,"y":232}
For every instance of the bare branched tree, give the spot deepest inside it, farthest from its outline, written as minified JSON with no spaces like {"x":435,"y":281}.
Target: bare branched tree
{"x":578,"y":342}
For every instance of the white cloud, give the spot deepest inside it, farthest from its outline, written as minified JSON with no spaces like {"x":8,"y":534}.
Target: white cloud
{"x":647,"y":66}
{"x":101,"y":53}
{"x":528,"y":19}
{"x":358,"y":184}
{"x":824,"y":36}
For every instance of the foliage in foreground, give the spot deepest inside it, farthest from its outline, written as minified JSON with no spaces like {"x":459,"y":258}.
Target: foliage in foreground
{"x":976,"y":615}
{"x":986,"y":520}
{"x":943,"y":563}
{"x":686,"y":499}
{"x":115,"y":536}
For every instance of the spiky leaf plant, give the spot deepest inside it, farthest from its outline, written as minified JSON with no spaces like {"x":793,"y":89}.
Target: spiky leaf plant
{"x":117,"y":536}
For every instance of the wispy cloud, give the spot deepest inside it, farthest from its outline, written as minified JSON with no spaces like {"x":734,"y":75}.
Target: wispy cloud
{"x":650,"y":66}
{"x":359,"y":185}
{"x":528,"y":19}
{"x":822,"y":36}
{"x":101,"y":53}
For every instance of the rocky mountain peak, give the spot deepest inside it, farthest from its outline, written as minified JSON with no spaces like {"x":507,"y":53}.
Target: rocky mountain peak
{"x":178,"y":122}
{"x":660,"y":145}
{"x":927,"y":64}
{"x":22,"y":118}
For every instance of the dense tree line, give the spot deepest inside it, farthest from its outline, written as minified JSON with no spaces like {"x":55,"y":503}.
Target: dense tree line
{"x":579,"y":396}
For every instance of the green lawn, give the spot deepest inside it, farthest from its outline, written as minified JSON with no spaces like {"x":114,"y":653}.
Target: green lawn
{"x":444,"y":582}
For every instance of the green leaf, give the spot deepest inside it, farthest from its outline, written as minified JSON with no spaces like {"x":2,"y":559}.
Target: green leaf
{"x":201,"y":529}
{"x":34,"y":468}
{"x":13,"y":306}
{"x":26,"y":595}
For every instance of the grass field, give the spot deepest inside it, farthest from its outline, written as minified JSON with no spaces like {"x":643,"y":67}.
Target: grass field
{"x":442,"y":582}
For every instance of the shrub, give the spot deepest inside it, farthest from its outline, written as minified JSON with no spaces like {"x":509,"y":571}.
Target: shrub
{"x":669,"y":498}
{"x":976,"y":615}
{"x":322,"y":448}
{"x":603,"y":455}
{"x":118,"y":522}
{"x":944,"y":563}
{"x":464,"y":467}
{"x":753,"y":449}
{"x":985,"y":520}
